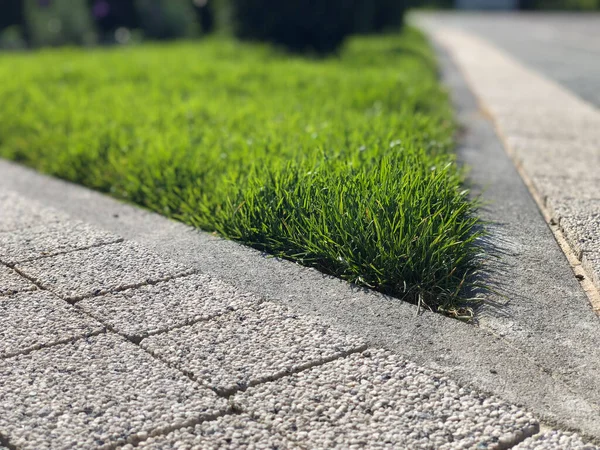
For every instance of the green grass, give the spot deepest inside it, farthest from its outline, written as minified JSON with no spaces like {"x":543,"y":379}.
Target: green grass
{"x":345,"y":164}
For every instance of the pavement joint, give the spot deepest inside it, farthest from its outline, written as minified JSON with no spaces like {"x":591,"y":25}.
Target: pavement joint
{"x":50,"y":240}
{"x":72,"y":293}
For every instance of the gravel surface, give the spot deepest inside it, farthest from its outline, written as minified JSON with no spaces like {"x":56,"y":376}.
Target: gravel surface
{"x":48,"y":240}
{"x":239,"y":431}
{"x":555,"y":440}
{"x":31,"y":320}
{"x":99,"y":270}
{"x":250,"y":345}
{"x":581,"y":188}
{"x":95,"y":391}
{"x":147,"y":310}
{"x":376,"y":400}
{"x":11,"y":282}
{"x":19,"y":212}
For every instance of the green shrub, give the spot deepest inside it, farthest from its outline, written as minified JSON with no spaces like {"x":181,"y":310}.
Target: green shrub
{"x":59,"y":22}
{"x":167,"y":19}
{"x":375,"y":16}
{"x":299,"y":25}
{"x":313,"y":25}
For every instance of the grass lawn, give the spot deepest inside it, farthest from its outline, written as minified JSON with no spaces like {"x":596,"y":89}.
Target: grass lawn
{"x":345,"y":164}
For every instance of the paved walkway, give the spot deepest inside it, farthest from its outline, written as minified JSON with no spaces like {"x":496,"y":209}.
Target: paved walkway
{"x":514,"y":64}
{"x":105,"y":344}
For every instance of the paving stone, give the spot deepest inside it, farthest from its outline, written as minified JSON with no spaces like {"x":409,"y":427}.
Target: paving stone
{"x":378,"y":400}
{"x":250,"y":345}
{"x":94,"y":392}
{"x":19,"y":212}
{"x":51,"y":239}
{"x":555,"y":440}
{"x":99,"y":270}
{"x":30,"y":320}
{"x":580,"y":222}
{"x":239,"y":431}
{"x":11,"y":282}
{"x":558,"y":160}
{"x":561,"y":188}
{"x":140,"y":312}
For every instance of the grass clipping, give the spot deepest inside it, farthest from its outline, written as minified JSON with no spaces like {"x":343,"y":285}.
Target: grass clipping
{"x":345,"y":164}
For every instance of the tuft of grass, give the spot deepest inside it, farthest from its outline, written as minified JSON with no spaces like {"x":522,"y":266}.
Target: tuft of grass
{"x":344,"y":164}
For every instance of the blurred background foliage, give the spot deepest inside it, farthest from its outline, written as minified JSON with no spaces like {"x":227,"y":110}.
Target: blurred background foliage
{"x":317,"y":26}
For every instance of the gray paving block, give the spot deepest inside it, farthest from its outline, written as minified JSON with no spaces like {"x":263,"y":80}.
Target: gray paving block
{"x":140,"y":312}
{"x":580,"y":222}
{"x":555,"y":440}
{"x":582,"y":232}
{"x":11,"y":282}
{"x":31,"y":320}
{"x":568,"y":161}
{"x":239,"y":431}
{"x":99,"y":270}
{"x":94,"y":392}
{"x":250,"y":345}
{"x":556,"y":189}
{"x":379,"y":400}
{"x":51,"y":239}
{"x":18,"y":212}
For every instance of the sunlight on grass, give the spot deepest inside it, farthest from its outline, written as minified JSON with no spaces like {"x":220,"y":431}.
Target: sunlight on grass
{"x":344,"y":164}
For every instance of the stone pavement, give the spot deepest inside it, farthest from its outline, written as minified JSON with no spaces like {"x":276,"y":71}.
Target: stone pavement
{"x":106,"y":344}
{"x":551,"y":130}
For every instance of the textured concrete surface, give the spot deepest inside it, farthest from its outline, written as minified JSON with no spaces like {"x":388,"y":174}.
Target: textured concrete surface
{"x":49,"y":240}
{"x":19,"y":212}
{"x":249,"y":346}
{"x":580,"y":188}
{"x":31,"y":320}
{"x":11,"y":282}
{"x":140,"y":312}
{"x":238,"y":431}
{"x":99,"y":270}
{"x":555,"y":440}
{"x":94,"y":392}
{"x":375,"y":400}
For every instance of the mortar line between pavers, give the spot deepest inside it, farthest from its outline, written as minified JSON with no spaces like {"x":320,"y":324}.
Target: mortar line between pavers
{"x":65,"y":252}
{"x":36,"y":347}
{"x":233,"y":407}
{"x":74,"y":300}
{"x":136,"y":439}
{"x":136,"y":339}
{"x":580,"y":273}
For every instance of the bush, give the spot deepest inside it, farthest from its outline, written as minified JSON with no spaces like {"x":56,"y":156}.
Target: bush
{"x":313,"y":25}
{"x":59,"y":22}
{"x":167,"y":19}
{"x":375,"y":16}
{"x":110,"y":15}
{"x":299,"y":25}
